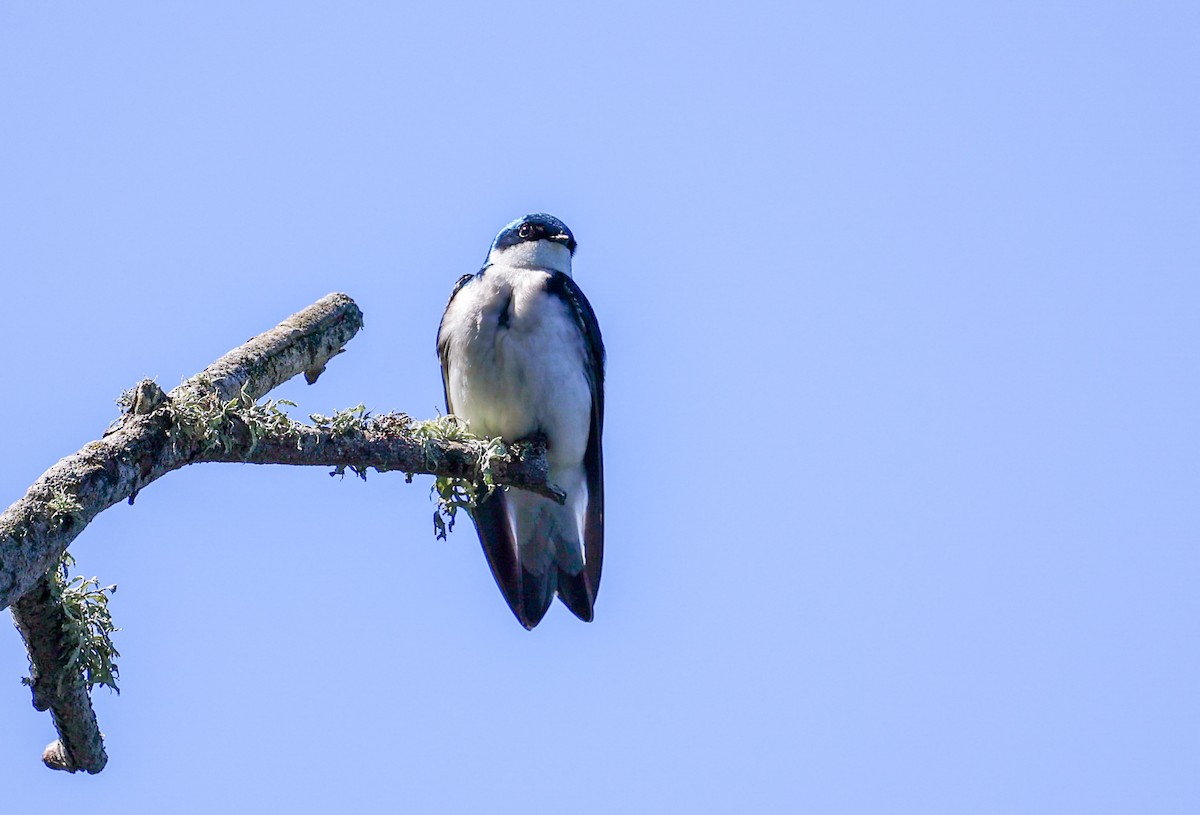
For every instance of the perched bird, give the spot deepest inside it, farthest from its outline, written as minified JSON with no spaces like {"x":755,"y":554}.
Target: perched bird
{"x":522,"y":357}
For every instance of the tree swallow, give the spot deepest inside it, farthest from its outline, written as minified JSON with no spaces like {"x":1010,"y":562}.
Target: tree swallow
{"x":521,"y":357}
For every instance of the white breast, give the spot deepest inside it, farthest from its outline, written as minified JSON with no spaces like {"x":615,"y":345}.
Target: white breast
{"x":517,"y":362}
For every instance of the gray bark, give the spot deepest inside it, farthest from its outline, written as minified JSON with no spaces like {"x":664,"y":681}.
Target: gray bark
{"x":143,"y":448}
{"x":152,"y":440}
{"x":386,"y":445}
{"x":41,"y":620}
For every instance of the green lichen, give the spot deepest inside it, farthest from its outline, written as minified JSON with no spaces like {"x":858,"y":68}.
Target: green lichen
{"x":87,"y":630}
{"x":344,"y":422}
{"x":223,"y":424}
{"x":215,"y":424}
{"x":452,"y":494}
{"x":62,"y":508}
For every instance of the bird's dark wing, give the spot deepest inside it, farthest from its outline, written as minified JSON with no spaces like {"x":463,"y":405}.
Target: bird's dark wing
{"x":496,"y":536}
{"x":578,"y":592}
{"x":443,"y":344}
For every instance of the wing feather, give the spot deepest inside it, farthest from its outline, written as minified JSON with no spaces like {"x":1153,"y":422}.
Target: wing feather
{"x":578,"y":592}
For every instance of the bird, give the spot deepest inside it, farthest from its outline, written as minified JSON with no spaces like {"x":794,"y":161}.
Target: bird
{"x":522,"y":358}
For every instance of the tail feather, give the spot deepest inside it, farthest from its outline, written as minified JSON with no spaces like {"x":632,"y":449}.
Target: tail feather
{"x":533,"y":547}
{"x":491,"y":522}
{"x":537,"y":593}
{"x":576,"y":593}
{"x":526,"y":572}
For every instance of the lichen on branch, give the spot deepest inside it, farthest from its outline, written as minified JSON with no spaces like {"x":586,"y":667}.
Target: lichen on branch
{"x":218,"y":415}
{"x":86,"y":631}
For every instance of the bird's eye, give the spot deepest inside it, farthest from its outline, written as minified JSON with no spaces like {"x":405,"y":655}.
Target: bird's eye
{"x":525,"y":231}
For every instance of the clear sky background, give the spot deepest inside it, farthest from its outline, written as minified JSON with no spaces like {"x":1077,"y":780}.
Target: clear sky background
{"x":901,"y":449}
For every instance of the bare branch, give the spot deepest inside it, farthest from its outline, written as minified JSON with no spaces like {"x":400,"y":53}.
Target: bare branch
{"x":212,"y":417}
{"x":110,"y":470}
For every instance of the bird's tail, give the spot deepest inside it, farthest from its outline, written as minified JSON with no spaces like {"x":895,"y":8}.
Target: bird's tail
{"x":551,"y":550}
{"x":534,"y":548}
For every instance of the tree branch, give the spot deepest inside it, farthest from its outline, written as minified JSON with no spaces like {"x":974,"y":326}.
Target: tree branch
{"x":215,"y":417}
{"x":57,"y":686}
{"x":389,"y":443}
{"x":33,"y":534}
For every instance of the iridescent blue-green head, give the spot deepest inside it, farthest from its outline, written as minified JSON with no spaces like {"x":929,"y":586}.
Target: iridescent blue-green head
{"x":537,"y":226}
{"x":536,"y":241}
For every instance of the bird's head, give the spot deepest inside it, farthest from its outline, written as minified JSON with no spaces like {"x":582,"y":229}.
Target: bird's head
{"x":537,"y":240}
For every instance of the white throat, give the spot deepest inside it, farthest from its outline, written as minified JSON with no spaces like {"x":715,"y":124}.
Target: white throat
{"x":547,"y":255}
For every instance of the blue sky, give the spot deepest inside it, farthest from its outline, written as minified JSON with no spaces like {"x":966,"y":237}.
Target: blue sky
{"x":901,"y":450}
